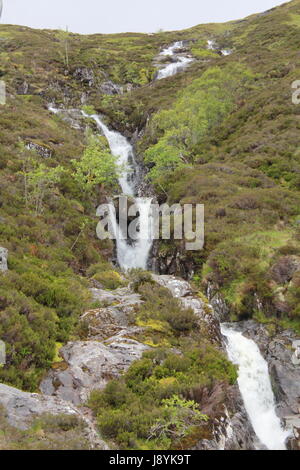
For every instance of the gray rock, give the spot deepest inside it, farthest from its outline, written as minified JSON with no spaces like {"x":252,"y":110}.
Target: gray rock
{"x":23,"y":88}
{"x":218,"y":303}
{"x":110,"y":88}
{"x":182,"y":290}
{"x":44,"y":152}
{"x":85,"y":76}
{"x":22,"y":408}
{"x":90,"y":365}
{"x":178,"y":287}
{"x":3,"y":259}
{"x":113,"y":318}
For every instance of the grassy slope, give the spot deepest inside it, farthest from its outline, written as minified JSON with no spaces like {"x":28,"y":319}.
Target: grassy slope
{"x":45,"y":291}
{"x":247,"y":166}
{"x":246,"y":172}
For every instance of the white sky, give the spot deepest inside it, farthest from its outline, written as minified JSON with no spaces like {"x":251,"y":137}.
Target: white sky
{"x":114,"y":16}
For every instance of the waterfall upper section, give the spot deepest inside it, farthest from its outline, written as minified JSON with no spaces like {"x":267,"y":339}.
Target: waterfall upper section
{"x":130,"y":253}
{"x":179,"y":60}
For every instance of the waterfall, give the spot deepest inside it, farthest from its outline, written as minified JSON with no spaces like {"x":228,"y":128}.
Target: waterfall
{"x":180,"y":64}
{"x":130,"y":253}
{"x":255,"y":387}
{"x":212,"y":46}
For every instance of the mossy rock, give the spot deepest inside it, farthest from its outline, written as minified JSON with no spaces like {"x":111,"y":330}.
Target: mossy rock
{"x":109,"y":279}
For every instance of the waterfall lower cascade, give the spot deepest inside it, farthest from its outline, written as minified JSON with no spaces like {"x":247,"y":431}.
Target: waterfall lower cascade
{"x":132,"y":254}
{"x":179,"y":64}
{"x":255,"y":387}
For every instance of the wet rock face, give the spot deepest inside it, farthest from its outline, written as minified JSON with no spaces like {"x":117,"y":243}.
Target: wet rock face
{"x":218,"y":303}
{"x":23,"y":408}
{"x":3,"y":259}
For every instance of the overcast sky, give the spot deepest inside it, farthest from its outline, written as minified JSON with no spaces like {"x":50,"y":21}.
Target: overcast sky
{"x":114,"y":16}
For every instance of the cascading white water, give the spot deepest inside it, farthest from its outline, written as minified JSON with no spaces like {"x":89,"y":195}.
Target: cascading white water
{"x":255,"y":387}
{"x":134,"y":254}
{"x":212,"y":46}
{"x":175,"y":67}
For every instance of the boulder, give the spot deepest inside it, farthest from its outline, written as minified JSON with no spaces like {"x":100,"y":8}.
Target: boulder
{"x":110,"y":320}
{"x":42,"y":150}
{"x":22,"y":408}
{"x":89,"y":365}
{"x":3,"y":259}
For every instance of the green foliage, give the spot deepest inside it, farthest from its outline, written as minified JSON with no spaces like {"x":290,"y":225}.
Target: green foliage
{"x":139,"y":277}
{"x":161,"y":306}
{"x":150,"y":407}
{"x":200,"y":107}
{"x":48,"y":432}
{"x":178,"y":417}
{"x":96,"y":167}
{"x":109,"y":279}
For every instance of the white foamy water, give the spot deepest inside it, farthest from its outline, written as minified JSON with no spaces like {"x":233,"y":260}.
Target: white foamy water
{"x":120,"y":148}
{"x":130,"y":253}
{"x":212,"y":46}
{"x":255,"y":387}
{"x":179,"y":64}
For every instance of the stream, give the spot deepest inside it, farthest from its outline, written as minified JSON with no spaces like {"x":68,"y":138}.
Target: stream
{"x":180,"y":62}
{"x":255,"y":387}
{"x":253,"y":376}
{"x":130,"y":253}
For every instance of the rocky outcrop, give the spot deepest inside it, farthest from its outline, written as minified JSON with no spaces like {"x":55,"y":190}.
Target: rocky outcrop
{"x":218,"y":303}
{"x":106,"y":322}
{"x":85,"y":75}
{"x":110,"y":88}
{"x":3,"y":259}
{"x":231,"y":428}
{"x":89,"y":365}
{"x":107,"y":352}
{"x":73,"y":117}
{"x":22,"y":408}
{"x":41,"y":150}
{"x":183,"y":290}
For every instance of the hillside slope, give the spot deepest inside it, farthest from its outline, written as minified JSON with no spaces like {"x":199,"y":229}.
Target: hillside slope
{"x":223,"y":133}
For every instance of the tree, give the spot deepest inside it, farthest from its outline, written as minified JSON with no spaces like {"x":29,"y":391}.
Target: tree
{"x":177,"y":418}
{"x":96,"y":167}
{"x":38,"y":179}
